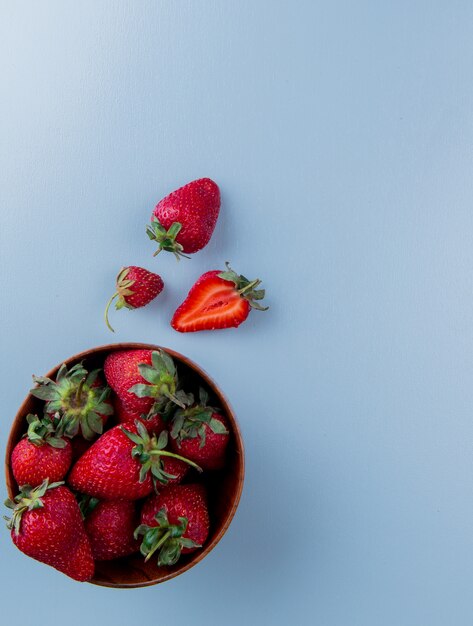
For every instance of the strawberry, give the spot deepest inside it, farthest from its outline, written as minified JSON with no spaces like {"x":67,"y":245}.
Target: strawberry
{"x":175,"y":522}
{"x":201,"y":434}
{"x":47,"y":525}
{"x":42,"y":453}
{"x":78,"y":396}
{"x":136,"y":287}
{"x":109,"y":525}
{"x":122,"y":413}
{"x":218,"y":300}
{"x":153,"y":422}
{"x":127,"y":463}
{"x":184,"y":220}
{"x":144,"y":380}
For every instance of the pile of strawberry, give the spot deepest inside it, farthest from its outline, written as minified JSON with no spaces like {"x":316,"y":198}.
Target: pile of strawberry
{"x":113,"y":465}
{"x":183,"y":223}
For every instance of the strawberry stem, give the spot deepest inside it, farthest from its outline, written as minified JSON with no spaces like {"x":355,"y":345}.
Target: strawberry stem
{"x":249,"y":286}
{"x":174,"y":399}
{"x":79,"y":390}
{"x":163,"y":539}
{"x":115,"y":295}
{"x":244,"y":287}
{"x":166,"y":238}
{"x":175,"y":456}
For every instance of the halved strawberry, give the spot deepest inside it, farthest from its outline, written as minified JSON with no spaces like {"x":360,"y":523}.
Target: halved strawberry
{"x":218,"y":300}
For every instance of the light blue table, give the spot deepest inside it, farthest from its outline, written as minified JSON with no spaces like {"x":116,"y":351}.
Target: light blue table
{"x":341,"y":134}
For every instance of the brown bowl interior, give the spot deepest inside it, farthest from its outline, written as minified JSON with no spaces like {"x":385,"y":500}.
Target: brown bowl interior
{"x":224,"y":487}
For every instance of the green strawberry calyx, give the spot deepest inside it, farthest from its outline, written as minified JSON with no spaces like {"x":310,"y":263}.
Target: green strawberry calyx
{"x":149,"y":450}
{"x":75,"y":395}
{"x":192,"y":421}
{"x":28,"y":499}
{"x":166,"y":238}
{"x":167,"y":538}
{"x":46,"y":430}
{"x":123,"y":291}
{"x":161,"y":383}
{"x":246,"y":288}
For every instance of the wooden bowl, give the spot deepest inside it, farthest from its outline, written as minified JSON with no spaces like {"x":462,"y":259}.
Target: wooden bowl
{"x":224,"y":487}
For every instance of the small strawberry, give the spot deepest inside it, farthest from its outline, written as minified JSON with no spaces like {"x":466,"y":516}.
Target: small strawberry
{"x":153,"y":422}
{"x":201,"y":434}
{"x":126,"y":462}
{"x":175,"y":522}
{"x":184,"y":220}
{"x":47,"y":525}
{"x":136,"y":287}
{"x":218,"y":300}
{"x":78,"y":396}
{"x":144,"y":380}
{"x":109,"y":525}
{"x":42,"y":453}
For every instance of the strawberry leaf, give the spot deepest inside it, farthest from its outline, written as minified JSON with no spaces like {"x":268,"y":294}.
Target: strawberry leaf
{"x":143,"y":391}
{"x":218,"y":427}
{"x":162,"y":440}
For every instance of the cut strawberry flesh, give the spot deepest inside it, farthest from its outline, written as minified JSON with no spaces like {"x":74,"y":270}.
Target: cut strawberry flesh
{"x":214,"y":303}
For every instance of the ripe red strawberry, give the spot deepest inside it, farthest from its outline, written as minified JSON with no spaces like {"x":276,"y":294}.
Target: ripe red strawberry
{"x":78,"y":396}
{"x":136,"y":287}
{"x":184,"y":220}
{"x":201,"y":434}
{"x":47,"y":525}
{"x":122,"y":413}
{"x":126,"y":462}
{"x":218,"y":300}
{"x":41,"y":454}
{"x":175,"y":522}
{"x":110,"y":525}
{"x":144,"y":380}
{"x":154,"y":423}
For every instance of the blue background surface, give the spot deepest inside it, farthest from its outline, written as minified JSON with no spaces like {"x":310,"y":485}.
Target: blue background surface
{"x":341,"y":135}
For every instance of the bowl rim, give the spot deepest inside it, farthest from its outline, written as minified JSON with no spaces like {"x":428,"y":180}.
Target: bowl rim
{"x":113,"y":347}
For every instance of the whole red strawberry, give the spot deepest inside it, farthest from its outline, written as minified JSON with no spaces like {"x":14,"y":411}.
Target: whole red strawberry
{"x":136,"y":287}
{"x":110,"y":525}
{"x":42,"y":453}
{"x":183,"y":221}
{"x":47,"y":525}
{"x":175,"y":522}
{"x":154,"y":422}
{"x":126,"y":462}
{"x":201,"y":434}
{"x":78,"y":396}
{"x":144,"y":380}
{"x":218,"y":300}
